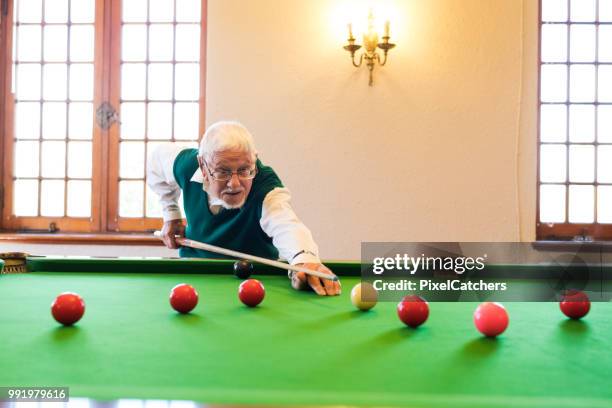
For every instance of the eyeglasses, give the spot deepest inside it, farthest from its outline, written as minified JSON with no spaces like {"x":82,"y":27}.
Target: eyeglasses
{"x":225,"y":175}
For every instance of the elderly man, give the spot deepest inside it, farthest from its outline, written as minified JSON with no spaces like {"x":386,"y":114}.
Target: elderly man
{"x":233,"y":201}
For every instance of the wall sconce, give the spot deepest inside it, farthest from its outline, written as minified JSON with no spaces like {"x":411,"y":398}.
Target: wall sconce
{"x":370,"y":42}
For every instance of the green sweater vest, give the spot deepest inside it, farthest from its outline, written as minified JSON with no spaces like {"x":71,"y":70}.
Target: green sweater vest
{"x":236,"y":229}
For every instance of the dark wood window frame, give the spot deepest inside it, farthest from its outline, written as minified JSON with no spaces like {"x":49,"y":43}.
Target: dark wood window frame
{"x":104,"y":225}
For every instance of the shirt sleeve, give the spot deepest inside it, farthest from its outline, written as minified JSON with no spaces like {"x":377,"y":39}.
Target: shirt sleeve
{"x":289,"y":235}
{"x":160,"y":177}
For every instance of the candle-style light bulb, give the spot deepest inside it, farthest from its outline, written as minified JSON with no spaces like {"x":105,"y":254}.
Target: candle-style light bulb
{"x":350,"y":30}
{"x":370,"y":39}
{"x":387,"y":24}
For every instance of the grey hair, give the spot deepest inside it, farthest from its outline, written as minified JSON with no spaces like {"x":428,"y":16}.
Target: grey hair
{"x":226,"y":135}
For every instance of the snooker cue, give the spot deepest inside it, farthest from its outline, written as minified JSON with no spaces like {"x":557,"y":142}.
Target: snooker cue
{"x":239,"y":255}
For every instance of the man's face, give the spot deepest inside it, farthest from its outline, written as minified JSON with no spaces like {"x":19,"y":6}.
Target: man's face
{"x":234,"y":191}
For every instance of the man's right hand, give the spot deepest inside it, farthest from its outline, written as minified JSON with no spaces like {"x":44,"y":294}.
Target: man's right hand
{"x":169,"y":230}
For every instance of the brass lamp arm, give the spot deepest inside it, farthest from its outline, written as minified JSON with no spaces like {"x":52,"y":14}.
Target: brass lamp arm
{"x":360,"y":60}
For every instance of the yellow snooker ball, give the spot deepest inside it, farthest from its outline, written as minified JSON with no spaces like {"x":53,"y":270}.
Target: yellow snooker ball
{"x":364,"y":296}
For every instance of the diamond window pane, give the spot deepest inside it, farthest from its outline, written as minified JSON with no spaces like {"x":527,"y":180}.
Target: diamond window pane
{"x":79,"y":159}
{"x":134,"y":11}
{"x":54,"y":120}
{"x":52,"y":198}
{"x":161,"y":37}
{"x":554,"y":43}
{"x":56,"y":11}
{"x":582,"y":164}
{"x":79,"y":198}
{"x":604,"y":204}
{"x":187,"y":42}
{"x":604,"y":164}
{"x":131,"y":159}
{"x":188,"y":11}
{"x":153,"y":209}
{"x":582,"y":123}
{"x":552,"y":203}
{"x":28,"y":43}
{"x":131,"y":198}
{"x":605,"y":10}
{"x":187,"y":82}
{"x":81,"y":82}
{"x":554,"y":10}
{"x":54,"y":81}
{"x":82,"y":11}
{"x":605,"y":43}
{"x":27,"y":120}
{"x":186,"y":121}
{"x":553,"y":123}
{"x":553,"y":164}
{"x":582,"y":83}
{"x":25,"y":198}
{"x":161,"y":11}
{"x":133,"y":81}
{"x":132,"y":120}
{"x":56,"y":43}
{"x":160,"y":81}
{"x":29,"y":11}
{"x":80,"y":120}
{"x":159,"y":120}
{"x":582,"y":42}
{"x":133,"y":39}
{"x":553,"y":80}
{"x":581,"y":204}
{"x":583,"y":10}
{"x":26,"y":159}
{"x":28,"y":81}
{"x":604,"y":124}
{"x":53,"y":159}
{"x":82,"y":43}
{"x":605,"y":83}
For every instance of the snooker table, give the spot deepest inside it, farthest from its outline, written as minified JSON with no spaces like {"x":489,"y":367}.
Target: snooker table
{"x":295,"y":348}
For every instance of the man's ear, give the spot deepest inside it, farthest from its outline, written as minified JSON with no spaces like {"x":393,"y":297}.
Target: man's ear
{"x":202,"y":169}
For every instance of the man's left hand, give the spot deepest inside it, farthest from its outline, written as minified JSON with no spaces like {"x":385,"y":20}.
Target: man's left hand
{"x":322,"y":287}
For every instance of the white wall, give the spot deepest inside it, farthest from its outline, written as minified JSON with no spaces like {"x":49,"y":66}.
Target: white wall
{"x":430,"y":152}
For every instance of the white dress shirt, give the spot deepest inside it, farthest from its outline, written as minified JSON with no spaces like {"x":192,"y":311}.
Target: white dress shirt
{"x":278,"y":220}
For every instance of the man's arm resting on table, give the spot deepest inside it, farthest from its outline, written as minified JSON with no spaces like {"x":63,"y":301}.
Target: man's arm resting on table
{"x":294,"y":241}
{"x":160,"y":177}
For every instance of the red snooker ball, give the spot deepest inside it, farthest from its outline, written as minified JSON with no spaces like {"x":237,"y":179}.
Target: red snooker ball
{"x":68,"y":308}
{"x":413,"y":310}
{"x":183,"y":298}
{"x":251,"y":292}
{"x":491,"y":318}
{"x":575,"y":304}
